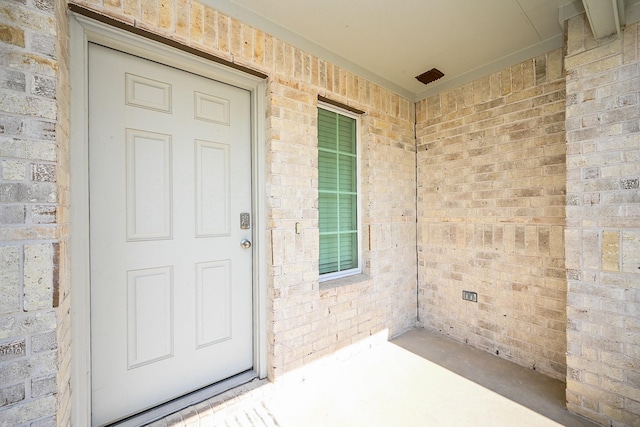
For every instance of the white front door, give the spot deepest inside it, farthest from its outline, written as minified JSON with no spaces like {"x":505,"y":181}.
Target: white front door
{"x":171,"y":284}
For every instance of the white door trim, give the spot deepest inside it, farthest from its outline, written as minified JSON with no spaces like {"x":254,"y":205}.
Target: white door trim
{"x":84,"y":30}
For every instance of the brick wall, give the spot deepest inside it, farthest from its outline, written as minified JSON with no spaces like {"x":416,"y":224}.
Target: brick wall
{"x":491,"y":195}
{"x":306,"y":320}
{"x":311,"y":320}
{"x":603,"y":225}
{"x":491,"y":180}
{"x":33,"y":185}
{"x":62,"y":296}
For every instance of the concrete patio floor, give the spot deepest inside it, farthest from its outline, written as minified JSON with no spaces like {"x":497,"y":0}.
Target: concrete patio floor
{"x":418,"y":379}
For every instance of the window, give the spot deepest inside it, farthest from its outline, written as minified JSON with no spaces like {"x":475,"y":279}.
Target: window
{"x":338,"y":194}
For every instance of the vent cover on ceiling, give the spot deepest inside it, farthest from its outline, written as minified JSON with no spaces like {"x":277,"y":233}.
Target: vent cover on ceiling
{"x":430,"y":76}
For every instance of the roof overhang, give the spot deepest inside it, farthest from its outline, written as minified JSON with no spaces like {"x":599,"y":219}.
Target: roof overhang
{"x":606,"y":17}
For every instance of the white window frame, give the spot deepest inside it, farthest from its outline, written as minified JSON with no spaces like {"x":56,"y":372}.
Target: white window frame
{"x":358,"y":270}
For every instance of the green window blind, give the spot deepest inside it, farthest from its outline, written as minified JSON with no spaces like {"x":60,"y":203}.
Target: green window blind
{"x":337,"y":192}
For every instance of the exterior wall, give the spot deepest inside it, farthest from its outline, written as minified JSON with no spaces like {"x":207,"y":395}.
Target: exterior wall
{"x":311,"y":320}
{"x":306,"y":320}
{"x":603,"y":225}
{"x":491,"y":180}
{"x":491,"y":195}
{"x":34,"y":303}
{"x":62,"y":296}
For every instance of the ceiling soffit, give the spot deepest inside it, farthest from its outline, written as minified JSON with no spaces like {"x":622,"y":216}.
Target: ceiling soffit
{"x":466,"y":40}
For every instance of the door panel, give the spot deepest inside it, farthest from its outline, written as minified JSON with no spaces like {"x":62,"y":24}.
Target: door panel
{"x":149,"y":185}
{"x":149,"y":315}
{"x":171,"y":287}
{"x":212,"y":179}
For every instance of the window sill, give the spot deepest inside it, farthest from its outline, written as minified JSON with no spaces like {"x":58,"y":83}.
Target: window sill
{"x":344,"y":281}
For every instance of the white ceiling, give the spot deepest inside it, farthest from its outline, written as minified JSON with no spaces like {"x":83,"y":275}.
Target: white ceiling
{"x":392,"y":41}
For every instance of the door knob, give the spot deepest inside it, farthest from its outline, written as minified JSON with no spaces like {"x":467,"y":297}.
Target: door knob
{"x":245,"y":244}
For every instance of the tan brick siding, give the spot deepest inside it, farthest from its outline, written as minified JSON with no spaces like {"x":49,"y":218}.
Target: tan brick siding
{"x":306,"y":321}
{"x":603,"y":225}
{"x":500,"y":210}
{"x":312,"y":320}
{"x":34,"y":308}
{"x":62,"y":261}
{"x":491,"y":194}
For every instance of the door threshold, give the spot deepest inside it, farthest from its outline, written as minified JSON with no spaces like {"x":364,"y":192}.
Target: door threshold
{"x":180,"y":403}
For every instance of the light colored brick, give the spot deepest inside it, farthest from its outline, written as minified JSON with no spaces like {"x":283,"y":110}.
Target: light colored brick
{"x":12,"y":350}
{"x":10,"y":261}
{"x":497,"y":190}
{"x":631,"y":252}
{"x":15,"y":326}
{"x":43,"y":386}
{"x":611,"y":251}
{"x":44,"y":342}
{"x":149,"y":11}
{"x":28,"y":106}
{"x":165,"y":14}
{"x":591,"y":249}
{"x":30,"y":410}
{"x":606,"y":174}
{"x":11,"y":394}
{"x":14,"y":170}
{"x":507,"y":246}
{"x":182,"y":18}
{"x":38,"y":276}
{"x":131,"y":7}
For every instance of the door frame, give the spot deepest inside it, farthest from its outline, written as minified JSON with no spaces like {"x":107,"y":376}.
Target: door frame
{"x":84,"y":30}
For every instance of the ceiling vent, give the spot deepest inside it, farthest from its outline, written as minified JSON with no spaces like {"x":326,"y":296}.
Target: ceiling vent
{"x":430,"y":76}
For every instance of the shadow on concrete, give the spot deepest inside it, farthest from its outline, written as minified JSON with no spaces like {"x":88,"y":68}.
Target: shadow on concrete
{"x":526,"y":387}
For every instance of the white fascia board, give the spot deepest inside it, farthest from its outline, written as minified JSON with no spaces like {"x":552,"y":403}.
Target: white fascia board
{"x":604,"y":17}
